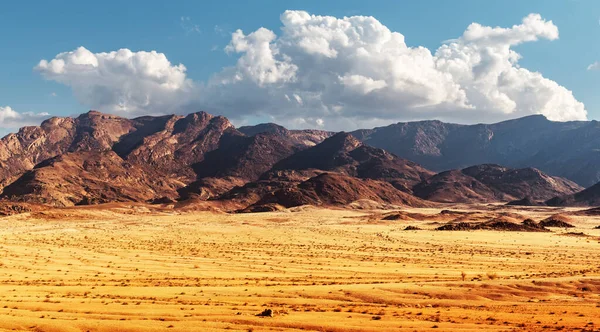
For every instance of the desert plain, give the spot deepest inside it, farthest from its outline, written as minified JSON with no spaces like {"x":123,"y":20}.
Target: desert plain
{"x":133,"y":267}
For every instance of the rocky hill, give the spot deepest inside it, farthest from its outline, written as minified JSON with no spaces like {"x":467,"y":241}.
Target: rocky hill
{"x":90,"y":177}
{"x":345,"y":154}
{"x":586,"y":197}
{"x":489,"y":183}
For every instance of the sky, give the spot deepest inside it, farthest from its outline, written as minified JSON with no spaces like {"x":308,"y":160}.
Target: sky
{"x":337,"y":65}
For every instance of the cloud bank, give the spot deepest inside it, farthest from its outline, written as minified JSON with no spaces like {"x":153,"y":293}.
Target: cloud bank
{"x":336,"y":73}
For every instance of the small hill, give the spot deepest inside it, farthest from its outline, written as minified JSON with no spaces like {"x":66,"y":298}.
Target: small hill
{"x":489,"y":183}
{"x":334,"y":189}
{"x":586,"y":197}
{"x":456,"y":187}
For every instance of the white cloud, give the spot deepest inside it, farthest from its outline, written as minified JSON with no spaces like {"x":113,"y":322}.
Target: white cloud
{"x":594,"y":66}
{"x":124,"y":82}
{"x":11,"y":119}
{"x":354,"y":69}
{"x":334,"y":72}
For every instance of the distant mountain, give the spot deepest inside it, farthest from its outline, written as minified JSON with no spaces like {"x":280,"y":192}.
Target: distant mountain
{"x":566,"y":149}
{"x":305,"y":137}
{"x":523,"y":182}
{"x":488,"y":183}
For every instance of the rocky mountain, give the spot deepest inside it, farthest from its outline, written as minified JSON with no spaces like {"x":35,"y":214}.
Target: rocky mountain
{"x":90,"y":177}
{"x":97,"y":158}
{"x":345,"y":154}
{"x":489,"y":183}
{"x":456,"y":187}
{"x":169,"y":143}
{"x":21,"y":151}
{"x":238,"y":159}
{"x":565,"y":149}
{"x":325,"y":188}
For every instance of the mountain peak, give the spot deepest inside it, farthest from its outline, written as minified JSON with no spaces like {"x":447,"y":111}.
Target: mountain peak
{"x":341,"y":141}
{"x":263,"y":128}
{"x":98,"y":114}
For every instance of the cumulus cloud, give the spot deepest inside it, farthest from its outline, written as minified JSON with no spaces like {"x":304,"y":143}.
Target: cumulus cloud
{"x":336,"y":73}
{"x":11,"y":119}
{"x":355,"y":69}
{"x":123,"y":82}
{"x":594,"y":66}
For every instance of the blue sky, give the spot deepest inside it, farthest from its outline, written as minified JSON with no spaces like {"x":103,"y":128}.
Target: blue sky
{"x":194,"y":33}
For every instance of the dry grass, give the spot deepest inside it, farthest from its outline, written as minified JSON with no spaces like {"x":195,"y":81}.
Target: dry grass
{"x":109,"y":269}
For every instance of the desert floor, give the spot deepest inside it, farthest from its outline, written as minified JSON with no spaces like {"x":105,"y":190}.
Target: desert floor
{"x":126,"y":268}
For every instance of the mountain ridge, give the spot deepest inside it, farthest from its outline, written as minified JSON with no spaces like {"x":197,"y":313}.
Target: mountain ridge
{"x":97,"y":158}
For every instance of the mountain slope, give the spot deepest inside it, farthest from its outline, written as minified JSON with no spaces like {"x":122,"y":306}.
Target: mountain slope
{"x":456,"y":187}
{"x":328,"y":189}
{"x":586,"y":197}
{"x":565,"y":149}
{"x":91,"y":131}
{"x":524,"y":182}
{"x":89,"y":177}
{"x":489,"y":183}
{"x":343,"y":153}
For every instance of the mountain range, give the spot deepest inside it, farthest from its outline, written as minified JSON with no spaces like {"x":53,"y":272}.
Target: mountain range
{"x":566,"y":149}
{"x":99,"y":158}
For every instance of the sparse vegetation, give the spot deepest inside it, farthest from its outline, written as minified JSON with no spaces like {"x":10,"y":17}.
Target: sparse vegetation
{"x":312,"y":269}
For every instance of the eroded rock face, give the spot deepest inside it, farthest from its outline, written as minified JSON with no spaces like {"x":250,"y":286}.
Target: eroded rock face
{"x":89,"y":177}
{"x":92,"y":131}
{"x":98,"y":157}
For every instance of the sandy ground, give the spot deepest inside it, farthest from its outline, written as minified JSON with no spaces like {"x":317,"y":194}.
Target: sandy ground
{"x":127,"y":269}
